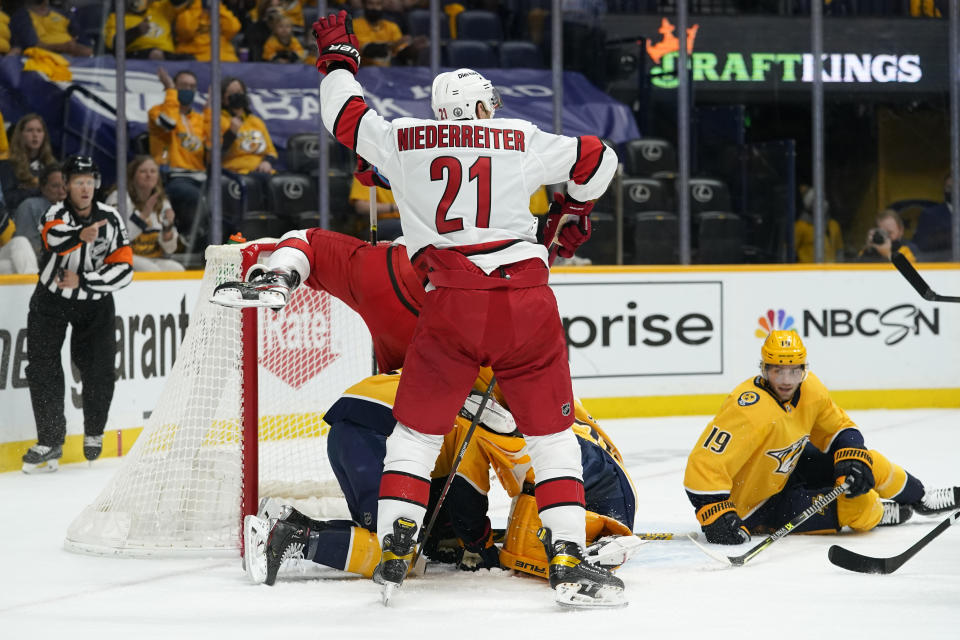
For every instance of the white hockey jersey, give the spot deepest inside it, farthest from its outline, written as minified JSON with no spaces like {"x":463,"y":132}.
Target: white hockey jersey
{"x":466,"y":183}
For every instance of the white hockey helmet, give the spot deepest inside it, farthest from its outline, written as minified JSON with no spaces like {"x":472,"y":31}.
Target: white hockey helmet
{"x":455,"y":95}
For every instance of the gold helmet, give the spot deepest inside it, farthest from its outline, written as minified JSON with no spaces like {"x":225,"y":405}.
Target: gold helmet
{"x":783,"y":347}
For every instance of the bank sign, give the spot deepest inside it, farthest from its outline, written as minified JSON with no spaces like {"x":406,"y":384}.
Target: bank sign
{"x":772,"y":53}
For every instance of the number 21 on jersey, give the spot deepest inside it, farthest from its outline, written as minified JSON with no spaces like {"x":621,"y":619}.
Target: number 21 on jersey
{"x":450,"y":169}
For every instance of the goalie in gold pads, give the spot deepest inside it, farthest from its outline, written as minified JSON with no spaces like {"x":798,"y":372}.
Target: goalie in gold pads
{"x":778,"y":443}
{"x":360,"y":422}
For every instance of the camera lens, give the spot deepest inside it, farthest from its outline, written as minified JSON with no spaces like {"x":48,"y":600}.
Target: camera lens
{"x":877,"y":237}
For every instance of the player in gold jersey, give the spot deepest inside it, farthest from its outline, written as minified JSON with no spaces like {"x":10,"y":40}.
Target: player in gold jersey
{"x":778,"y":443}
{"x":360,"y":422}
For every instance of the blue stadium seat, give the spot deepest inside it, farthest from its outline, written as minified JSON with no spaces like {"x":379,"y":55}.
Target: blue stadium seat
{"x":470,"y":53}
{"x":291,"y":194}
{"x":479,"y":25}
{"x":520,"y":54}
{"x":418,"y":21}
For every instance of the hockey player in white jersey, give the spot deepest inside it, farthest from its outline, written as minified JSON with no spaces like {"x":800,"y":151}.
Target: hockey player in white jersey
{"x":462,"y":184}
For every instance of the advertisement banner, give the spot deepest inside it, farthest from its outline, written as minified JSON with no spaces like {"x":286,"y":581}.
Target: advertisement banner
{"x":633,"y":334}
{"x":152,"y":318}
{"x":767,"y":53}
{"x":286,"y":97}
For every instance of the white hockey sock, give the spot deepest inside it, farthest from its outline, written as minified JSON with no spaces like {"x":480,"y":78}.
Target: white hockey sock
{"x":557,"y":456}
{"x":409,"y":453}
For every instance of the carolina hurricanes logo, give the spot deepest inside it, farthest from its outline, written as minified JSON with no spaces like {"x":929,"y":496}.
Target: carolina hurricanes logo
{"x":788,"y":457}
{"x":295,"y":343}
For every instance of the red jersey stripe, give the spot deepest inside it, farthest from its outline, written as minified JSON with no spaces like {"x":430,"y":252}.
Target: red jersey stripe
{"x":589,"y":154}
{"x":348,"y":121}
{"x":558,"y":492}
{"x":396,"y":485}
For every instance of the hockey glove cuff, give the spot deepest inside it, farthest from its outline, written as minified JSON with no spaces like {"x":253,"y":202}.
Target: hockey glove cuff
{"x":368,"y":175}
{"x":494,"y":417}
{"x":721,"y":524}
{"x":337,"y":45}
{"x":856,"y":466}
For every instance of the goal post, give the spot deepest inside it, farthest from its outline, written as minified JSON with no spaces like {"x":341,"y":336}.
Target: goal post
{"x":239,"y":419}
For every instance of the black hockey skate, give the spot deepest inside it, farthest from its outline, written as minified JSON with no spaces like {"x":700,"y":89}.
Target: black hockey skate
{"x":395,"y":557}
{"x":936,"y":501}
{"x":42,"y":459}
{"x":92,"y":446}
{"x":894,"y":513}
{"x":578,"y":583}
{"x":269,"y":289}
{"x":287,"y":541}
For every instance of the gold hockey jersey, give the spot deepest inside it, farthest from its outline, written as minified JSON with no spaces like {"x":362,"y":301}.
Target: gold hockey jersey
{"x":751,"y":447}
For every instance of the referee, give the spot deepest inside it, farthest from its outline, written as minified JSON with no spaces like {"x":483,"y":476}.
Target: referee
{"x":86,"y":257}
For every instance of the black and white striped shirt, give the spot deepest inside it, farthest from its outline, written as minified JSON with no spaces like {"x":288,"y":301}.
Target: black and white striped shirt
{"x":104,"y":265}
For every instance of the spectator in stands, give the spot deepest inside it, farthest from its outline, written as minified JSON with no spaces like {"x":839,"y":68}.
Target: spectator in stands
{"x":149,"y":28}
{"x":886,"y":239}
{"x":934,"y":231}
{"x":6,"y":47}
{"x":803,"y":234}
{"x":381,"y":41}
{"x":150,"y":227}
{"x":281,"y":46}
{"x":388,"y":215}
{"x":53,"y":189}
{"x":293,"y":9}
{"x":928,"y":8}
{"x":177,"y":135}
{"x":29,"y":152}
{"x":192,"y":32}
{"x":244,"y":140}
{"x":16,"y":254}
{"x":38,"y":25}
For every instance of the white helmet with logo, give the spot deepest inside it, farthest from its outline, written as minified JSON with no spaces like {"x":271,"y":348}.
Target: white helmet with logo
{"x":456,"y":93}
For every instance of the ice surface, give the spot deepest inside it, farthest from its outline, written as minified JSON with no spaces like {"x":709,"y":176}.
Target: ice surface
{"x":675,"y":591}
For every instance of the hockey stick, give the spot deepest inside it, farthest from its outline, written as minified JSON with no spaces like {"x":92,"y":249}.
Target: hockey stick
{"x":818,"y":504}
{"x":910,"y":272}
{"x":851,"y":561}
{"x":453,"y":469}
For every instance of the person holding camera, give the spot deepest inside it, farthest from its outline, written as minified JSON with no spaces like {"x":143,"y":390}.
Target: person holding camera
{"x":886,"y":239}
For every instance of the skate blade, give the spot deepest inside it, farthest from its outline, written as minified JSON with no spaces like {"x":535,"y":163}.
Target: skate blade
{"x":570,"y":595}
{"x":43,"y":467}
{"x":387,"y":594}
{"x":236,"y":301}
{"x":255,"y":534}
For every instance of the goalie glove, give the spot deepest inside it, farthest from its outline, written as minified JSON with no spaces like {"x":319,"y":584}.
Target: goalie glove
{"x":337,"y":45}
{"x":265,"y":288}
{"x":494,"y":418}
{"x":567,"y":225}
{"x":480,"y":554}
{"x":369,"y":176}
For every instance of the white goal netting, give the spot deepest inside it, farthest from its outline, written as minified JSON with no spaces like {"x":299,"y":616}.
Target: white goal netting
{"x":180,"y":489}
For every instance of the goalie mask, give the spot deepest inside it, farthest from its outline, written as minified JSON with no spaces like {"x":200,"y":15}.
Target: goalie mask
{"x":455,"y":95}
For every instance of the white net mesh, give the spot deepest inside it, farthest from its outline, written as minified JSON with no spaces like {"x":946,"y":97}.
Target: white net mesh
{"x":179,"y":489}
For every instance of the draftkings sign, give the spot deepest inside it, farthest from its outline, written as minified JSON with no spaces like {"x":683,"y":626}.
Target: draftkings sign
{"x":767,"y":53}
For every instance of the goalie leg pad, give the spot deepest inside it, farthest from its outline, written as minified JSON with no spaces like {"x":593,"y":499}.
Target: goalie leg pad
{"x":522,"y":549}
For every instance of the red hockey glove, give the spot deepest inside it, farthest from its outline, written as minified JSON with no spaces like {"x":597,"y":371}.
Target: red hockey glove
{"x":368,"y":175}
{"x":570,"y":206}
{"x":570,"y":233}
{"x":336,"y":43}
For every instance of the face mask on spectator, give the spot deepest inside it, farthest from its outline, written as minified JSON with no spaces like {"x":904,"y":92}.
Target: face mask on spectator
{"x":373,"y":15}
{"x":237,"y":101}
{"x":185,"y":96}
{"x":136,"y":6}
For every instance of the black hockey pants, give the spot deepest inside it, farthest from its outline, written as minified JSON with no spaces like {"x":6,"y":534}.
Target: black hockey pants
{"x":92,"y":348}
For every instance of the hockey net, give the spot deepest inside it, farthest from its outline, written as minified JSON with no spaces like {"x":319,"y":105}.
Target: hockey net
{"x":239,"y":418}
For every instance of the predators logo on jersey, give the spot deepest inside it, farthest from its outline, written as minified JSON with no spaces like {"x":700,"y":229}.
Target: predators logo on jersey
{"x":788,"y":457}
{"x":748,"y":398}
